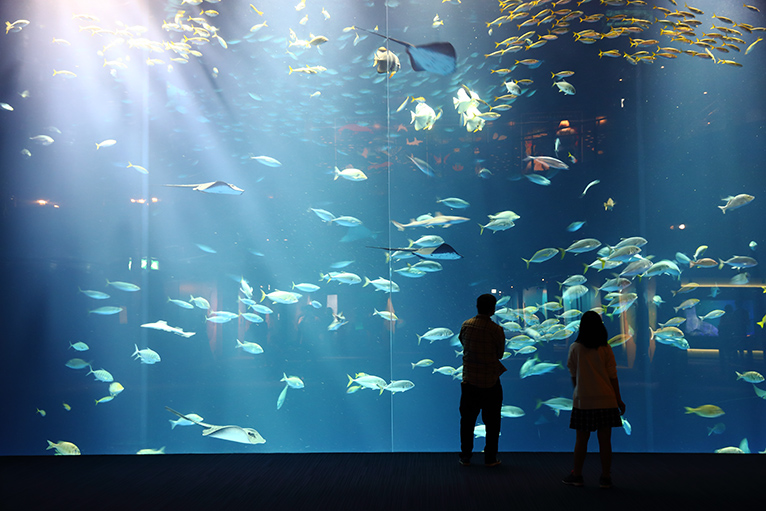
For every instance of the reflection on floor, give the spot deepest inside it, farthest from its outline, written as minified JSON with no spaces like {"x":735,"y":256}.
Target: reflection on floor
{"x":369,"y":481}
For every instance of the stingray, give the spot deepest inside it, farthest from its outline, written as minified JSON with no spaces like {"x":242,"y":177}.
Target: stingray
{"x":219,"y":187}
{"x":230,"y":433}
{"x":438,"y":58}
{"x":443,"y":252}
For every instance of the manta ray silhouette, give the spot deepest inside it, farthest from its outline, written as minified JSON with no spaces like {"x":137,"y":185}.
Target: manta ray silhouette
{"x":217,"y":187}
{"x":443,"y":252}
{"x":437,"y":58}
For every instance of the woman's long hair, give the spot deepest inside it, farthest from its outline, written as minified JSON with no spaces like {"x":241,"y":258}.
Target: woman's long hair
{"x":592,"y":332}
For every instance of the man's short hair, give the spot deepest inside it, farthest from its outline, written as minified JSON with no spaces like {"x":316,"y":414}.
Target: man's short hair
{"x":485,"y":304}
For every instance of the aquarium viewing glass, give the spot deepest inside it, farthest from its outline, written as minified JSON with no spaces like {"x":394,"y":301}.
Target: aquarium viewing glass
{"x":263,"y":217}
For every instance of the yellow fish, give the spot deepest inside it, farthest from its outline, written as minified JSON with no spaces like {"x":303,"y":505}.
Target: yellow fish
{"x":66,"y":407}
{"x":749,"y":48}
{"x":708,"y":411}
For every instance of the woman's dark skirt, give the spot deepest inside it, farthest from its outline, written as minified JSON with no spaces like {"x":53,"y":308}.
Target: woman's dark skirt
{"x":591,"y":420}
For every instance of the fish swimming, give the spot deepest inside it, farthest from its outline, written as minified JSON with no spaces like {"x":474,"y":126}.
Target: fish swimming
{"x":437,"y":58}
{"x":424,"y":167}
{"x":443,"y":252}
{"x":230,"y":433}
{"x":164,"y":327}
{"x":386,"y":61}
{"x":431,"y":221}
{"x":219,"y":187}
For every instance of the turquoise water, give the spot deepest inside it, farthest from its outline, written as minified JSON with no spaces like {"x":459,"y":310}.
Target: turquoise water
{"x":665,"y":138}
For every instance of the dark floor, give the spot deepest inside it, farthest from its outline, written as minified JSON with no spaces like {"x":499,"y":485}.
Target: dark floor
{"x":371,"y":481}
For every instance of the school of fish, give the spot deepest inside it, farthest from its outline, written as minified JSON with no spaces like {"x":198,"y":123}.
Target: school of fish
{"x":618,"y":267}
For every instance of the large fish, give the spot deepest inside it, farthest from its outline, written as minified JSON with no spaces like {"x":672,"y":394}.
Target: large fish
{"x":431,"y":221}
{"x":438,"y":58}
{"x":163,"y":326}
{"x":443,"y":252}
{"x":219,"y":187}
{"x":230,"y":433}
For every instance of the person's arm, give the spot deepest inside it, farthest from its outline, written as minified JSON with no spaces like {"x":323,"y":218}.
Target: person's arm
{"x":572,"y":366}
{"x":616,"y":387}
{"x":500,"y":344}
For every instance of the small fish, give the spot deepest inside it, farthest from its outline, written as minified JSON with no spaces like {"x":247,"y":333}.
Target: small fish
{"x":42,"y":139}
{"x":250,"y":347}
{"x":101,"y":375}
{"x":626,"y":426}
{"x":123,"y":286}
{"x":750,"y":48}
{"x":139,"y":168}
{"x":106,"y":143}
{"x":96,"y":295}
{"x":292,"y":381}
{"x":349,"y":174}
{"x":64,"y":73}
{"x":398,"y":386}
{"x":574,"y":226}
{"x":64,"y":448}
{"x":541,"y":255}
{"x":115,"y":388}
{"x":592,"y":183}
{"x":424,"y":167}
{"x":736,"y":202}
{"x":709,"y":411}
{"x":206,"y":248}
{"x":386,"y":62}
{"x":181,"y":303}
{"x":77,"y":363}
{"x":750,"y":376}
{"x":387,"y":315}
{"x":161,"y":450}
{"x":267,"y":160}
{"x":565,"y":87}
{"x":146,"y":355}
{"x":538,"y":179}
{"x":106,"y":311}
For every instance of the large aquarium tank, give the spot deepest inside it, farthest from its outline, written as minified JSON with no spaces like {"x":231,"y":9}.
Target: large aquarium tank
{"x":234,"y":227}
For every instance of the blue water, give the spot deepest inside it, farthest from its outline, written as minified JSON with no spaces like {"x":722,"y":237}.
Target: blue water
{"x":667,"y":140}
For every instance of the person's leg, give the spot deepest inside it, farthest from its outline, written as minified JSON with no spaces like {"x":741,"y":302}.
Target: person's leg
{"x":469,"y":411}
{"x":490,"y":414}
{"x":580,"y":450}
{"x":605,"y":449}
